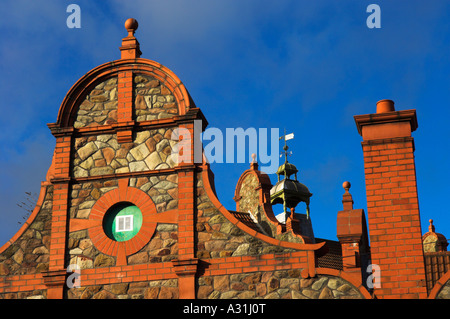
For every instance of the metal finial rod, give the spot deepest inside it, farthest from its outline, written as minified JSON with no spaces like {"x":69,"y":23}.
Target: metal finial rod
{"x":285,"y":147}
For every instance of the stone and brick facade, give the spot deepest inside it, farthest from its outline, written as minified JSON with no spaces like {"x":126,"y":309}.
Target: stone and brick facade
{"x":119,"y":143}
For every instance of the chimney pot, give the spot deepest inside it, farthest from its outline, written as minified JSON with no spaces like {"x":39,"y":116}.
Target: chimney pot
{"x":385,"y":106}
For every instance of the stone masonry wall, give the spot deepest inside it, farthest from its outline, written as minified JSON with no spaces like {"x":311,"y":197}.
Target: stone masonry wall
{"x":283,"y":284}
{"x":162,"y":247}
{"x":249,"y":200}
{"x":160,"y":289}
{"x":444,"y":293}
{"x":29,"y":254}
{"x":217,"y":237}
{"x":102,"y":154}
{"x":100,"y":105}
{"x":162,"y":189}
{"x":152,"y":99}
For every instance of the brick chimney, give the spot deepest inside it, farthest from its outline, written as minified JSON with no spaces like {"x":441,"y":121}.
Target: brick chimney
{"x":352,"y":235}
{"x":392,"y":201}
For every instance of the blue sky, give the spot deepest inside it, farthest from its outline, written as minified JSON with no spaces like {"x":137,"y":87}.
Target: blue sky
{"x":307,"y":66}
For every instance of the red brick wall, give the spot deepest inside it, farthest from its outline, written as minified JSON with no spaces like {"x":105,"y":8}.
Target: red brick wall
{"x":392,"y":203}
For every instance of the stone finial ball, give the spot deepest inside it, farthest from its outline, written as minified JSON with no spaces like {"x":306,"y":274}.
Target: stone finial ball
{"x":346,"y":185}
{"x":131,"y":24}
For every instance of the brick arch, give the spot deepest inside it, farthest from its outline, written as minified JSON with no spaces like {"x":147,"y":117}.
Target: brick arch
{"x":86,"y":83}
{"x":438,"y":286}
{"x":122,"y":194}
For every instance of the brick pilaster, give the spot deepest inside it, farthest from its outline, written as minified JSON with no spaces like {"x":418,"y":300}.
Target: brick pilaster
{"x":186,"y":222}
{"x":62,"y":157}
{"x":61,"y":181}
{"x":125,"y":107}
{"x":392,"y":200}
{"x":186,"y":214}
{"x":186,"y":265}
{"x":130,"y":49}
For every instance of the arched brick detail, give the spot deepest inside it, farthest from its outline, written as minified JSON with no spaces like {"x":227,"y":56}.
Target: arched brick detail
{"x":438,"y":286}
{"x":85,"y":84}
{"x":123,"y":193}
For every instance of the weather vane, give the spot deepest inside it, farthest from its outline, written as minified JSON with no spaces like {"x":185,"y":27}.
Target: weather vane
{"x":286,"y":137}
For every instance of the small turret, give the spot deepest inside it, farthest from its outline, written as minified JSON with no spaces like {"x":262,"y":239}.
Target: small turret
{"x":288,"y":191}
{"x":432,"y":241}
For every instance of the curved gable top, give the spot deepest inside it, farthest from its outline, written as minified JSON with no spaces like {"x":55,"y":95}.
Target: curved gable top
{"x":79,"y":91}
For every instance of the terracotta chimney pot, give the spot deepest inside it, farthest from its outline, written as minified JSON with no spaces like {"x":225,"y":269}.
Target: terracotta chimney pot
{"x":385,"y":106}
